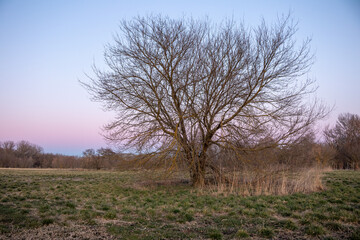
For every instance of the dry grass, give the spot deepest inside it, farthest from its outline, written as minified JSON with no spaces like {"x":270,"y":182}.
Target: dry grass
{"x":274,"y":180}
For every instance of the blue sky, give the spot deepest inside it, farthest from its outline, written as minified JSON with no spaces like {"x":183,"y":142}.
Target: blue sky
{"x":47,"y":46}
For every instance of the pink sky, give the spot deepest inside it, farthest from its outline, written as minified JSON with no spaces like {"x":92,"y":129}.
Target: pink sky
{"x":46,"y":47}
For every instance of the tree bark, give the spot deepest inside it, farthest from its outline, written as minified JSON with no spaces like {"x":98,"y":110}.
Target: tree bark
{"x":197,"y":171}
{"x":197,"y":177}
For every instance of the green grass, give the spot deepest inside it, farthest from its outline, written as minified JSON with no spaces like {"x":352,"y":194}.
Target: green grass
{"x":30,"y":199}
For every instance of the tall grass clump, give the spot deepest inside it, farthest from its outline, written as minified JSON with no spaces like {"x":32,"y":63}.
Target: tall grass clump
{"x":272,"y":180}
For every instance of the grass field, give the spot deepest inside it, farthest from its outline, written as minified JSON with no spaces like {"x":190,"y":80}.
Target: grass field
{"x":73,"y":204}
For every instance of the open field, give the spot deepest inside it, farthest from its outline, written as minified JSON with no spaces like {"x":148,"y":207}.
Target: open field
{"x":58,"y":204}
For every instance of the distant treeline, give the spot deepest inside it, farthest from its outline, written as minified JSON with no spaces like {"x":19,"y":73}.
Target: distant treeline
{"x":305,"y":153}
{"x":341,"y":150}
{"x":24,"y":154}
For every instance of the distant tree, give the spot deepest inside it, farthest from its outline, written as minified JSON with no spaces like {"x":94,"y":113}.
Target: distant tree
{"x":26,"y":149}
{"x":107,"y":157}
{"x":7,"y":154}
{"x":46,"y":160}
{"x":89,"y":152}
{"x":9,"y":146}
{"x":345,"y":139}
{"x":29,"y":153}
{"x":183,"y":86}
{"x":92,"y":159}
{"x":105,"y":152}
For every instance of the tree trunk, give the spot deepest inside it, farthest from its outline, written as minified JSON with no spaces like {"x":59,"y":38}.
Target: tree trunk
{"x":197,"y":171}
{"x":197,"y":175}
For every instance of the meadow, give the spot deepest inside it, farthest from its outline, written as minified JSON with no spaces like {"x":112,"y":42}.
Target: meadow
{"x":89,"y":204}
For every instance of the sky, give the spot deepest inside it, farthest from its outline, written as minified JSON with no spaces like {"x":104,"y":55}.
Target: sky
{"x":47,"y":47}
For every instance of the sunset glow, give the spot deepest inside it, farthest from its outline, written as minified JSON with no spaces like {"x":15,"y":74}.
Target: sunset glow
{"x":46,"y":47}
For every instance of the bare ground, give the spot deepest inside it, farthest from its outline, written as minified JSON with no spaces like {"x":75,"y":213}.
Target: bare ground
{"x":57,"y":232}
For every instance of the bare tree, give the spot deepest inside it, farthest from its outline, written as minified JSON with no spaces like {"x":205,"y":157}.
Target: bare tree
{"x":183,"y":86}
{"x":9,"y":146}
{"x":29,"y":152}
{"x":105,"y":152}
{"x":345,"y":138}
{"x":89,"y":158}
{"x":7,"y":154}
{"x":107,"y":157}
